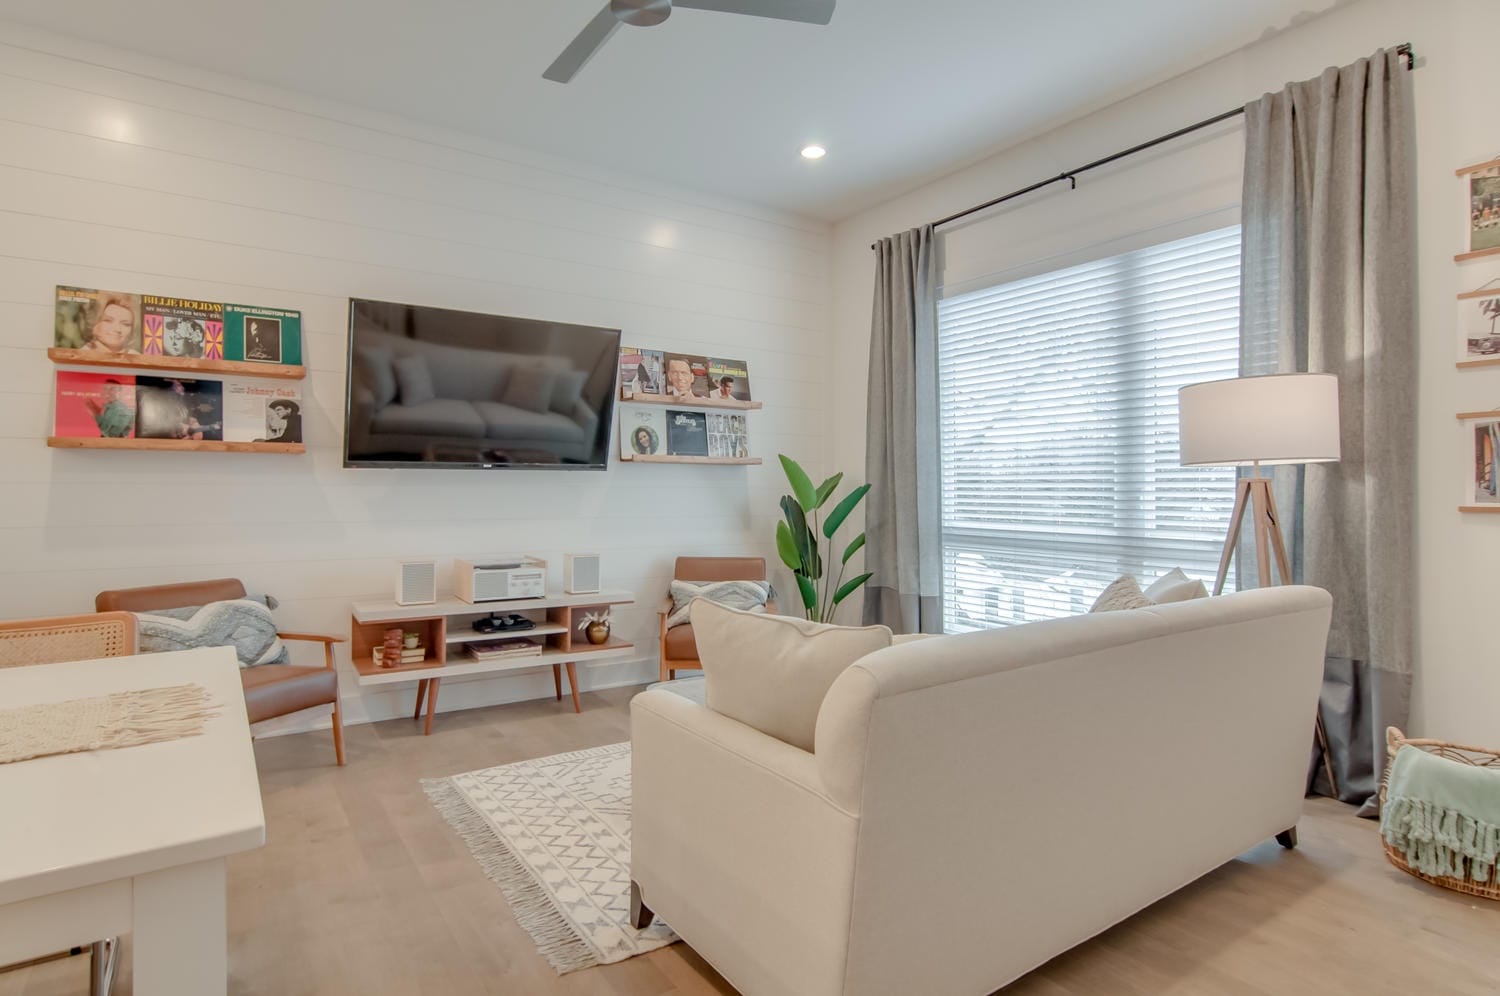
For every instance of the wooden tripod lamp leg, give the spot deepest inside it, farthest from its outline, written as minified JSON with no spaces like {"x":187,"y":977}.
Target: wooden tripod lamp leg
{"x":1236,"y":520}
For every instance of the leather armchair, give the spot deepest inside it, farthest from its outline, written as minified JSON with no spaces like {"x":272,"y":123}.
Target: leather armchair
{"x":271,"y":690}
{"x":679,"y":650}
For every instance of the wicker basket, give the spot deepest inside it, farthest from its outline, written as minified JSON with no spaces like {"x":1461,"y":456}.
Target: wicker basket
{"x":1479,"y":757}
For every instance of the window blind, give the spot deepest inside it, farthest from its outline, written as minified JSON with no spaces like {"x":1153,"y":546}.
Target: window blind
{"x":1058,"y":428}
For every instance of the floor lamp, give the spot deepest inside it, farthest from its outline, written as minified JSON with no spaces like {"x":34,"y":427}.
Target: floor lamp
{"x":1250,"y":421}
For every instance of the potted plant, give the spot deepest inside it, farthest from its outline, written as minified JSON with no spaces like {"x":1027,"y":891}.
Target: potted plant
{"x":797,"y":540}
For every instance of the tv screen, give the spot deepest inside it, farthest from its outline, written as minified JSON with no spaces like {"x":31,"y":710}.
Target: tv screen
{"x":429,"y":387}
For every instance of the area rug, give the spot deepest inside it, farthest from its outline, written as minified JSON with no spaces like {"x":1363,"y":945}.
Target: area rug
{"x":554,"y":834}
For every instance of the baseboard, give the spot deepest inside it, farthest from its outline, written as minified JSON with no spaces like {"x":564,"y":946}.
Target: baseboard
{"x":458,"y":694}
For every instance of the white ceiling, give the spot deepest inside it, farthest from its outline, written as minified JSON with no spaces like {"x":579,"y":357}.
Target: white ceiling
{"x":898,"y":90}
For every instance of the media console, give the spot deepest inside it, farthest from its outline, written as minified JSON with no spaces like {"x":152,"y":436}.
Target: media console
{"x":445,"y":626}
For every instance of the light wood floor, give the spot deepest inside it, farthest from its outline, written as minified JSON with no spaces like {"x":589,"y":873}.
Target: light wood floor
{"x":362,"y":889}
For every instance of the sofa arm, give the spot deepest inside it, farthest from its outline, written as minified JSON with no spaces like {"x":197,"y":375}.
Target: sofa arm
{"x":737,"y":846}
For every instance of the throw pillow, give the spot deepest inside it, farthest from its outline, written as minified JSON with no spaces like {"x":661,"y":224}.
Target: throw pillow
{"x":567,"y":389}
{"x":243,"y":623}
{"x":748,"y":596}
{"x":415,"y":379}
{"x":529,"y":388}
{"x":374,"y":366}
{"x":1175,"y":586}
{"x":772,"y":672}
{"x":1123,"y":593}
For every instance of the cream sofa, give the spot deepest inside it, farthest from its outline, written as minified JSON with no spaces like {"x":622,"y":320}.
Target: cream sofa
{"x":978,"y":804}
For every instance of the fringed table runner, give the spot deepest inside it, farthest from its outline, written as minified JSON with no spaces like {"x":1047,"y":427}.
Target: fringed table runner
{"x":124,"y":719}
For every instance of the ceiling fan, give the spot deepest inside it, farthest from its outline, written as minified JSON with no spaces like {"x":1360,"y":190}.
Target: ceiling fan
{"x":645,"y":13}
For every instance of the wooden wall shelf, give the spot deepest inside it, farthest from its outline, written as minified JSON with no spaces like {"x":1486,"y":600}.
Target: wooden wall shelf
{"x":728,"y":461}
{"x":1466,"y":416}
{"x":196,"y":445}
{"x":1488,"y":361}
{"x":175,"y":364}
{"x":1492,"y":509}
{"x":702,"y":403}
{"x":1476,"y":254}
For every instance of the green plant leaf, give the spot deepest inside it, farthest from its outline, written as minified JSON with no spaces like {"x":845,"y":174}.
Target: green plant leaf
{"x":852,"y":548}
{"x":841,"y":512}
{"x":826,"y":488}
{"x":809,"y":593}
{"x":802,"y":486}
{"x":801,"y":536}
{"x":849,"y":587}
{"x":787,"y":547}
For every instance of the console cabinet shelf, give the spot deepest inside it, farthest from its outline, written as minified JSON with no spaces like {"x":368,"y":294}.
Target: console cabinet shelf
{"x":445,"y":627}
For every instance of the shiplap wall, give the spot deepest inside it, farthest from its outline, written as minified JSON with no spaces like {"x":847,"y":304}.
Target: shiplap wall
{"x":123,"y":172}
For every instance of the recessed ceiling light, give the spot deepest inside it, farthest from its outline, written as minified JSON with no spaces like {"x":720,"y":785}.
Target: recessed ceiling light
{"x":813,"y":152}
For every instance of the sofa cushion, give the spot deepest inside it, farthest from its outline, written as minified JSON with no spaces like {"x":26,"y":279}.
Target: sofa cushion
{"x":443,"y":417}
{"x":529,"y":388}
{"x":508,"y":422}
{"x":1124,"y":592}
{"x":1174,"y":586}
{"x":415,"y":380}
{"x":567,"y":389}
{"x":373,"y":366}
{"x":277,"y":689}
{"x":772,"y":672}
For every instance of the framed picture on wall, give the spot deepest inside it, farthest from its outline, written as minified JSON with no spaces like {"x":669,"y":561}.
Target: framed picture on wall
{"x":1482,"y":200}
{"x":1485,"y":486}
{"x":1479,"y":327}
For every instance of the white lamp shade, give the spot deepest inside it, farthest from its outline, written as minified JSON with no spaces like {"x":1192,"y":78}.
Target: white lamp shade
{"x":1281,"y":418}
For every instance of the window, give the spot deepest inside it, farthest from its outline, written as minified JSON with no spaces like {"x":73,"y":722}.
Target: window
{"x":1058,"y":402}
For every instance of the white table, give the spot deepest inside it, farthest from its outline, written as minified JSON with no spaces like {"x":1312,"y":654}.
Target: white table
{"x":134,"y":840}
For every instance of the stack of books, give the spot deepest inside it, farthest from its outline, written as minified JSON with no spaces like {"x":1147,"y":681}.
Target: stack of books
{"x":415,"y":655}
{"x":492,"y":650}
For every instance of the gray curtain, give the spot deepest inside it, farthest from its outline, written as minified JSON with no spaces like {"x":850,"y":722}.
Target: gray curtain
{"x":1328,"y":285}
{"x":902,"y":546}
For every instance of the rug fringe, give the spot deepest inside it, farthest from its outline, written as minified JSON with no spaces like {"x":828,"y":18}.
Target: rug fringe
{"x":550,"y":930}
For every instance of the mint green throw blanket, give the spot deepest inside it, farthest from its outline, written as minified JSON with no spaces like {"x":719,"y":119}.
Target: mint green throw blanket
{"x":1443,"y":815}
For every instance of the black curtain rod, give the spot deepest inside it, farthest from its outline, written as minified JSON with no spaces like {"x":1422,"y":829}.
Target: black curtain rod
{"x":1071,"y":176}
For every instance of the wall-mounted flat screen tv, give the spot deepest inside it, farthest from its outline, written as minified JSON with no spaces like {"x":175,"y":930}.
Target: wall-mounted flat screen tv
{"x":430,"y":387}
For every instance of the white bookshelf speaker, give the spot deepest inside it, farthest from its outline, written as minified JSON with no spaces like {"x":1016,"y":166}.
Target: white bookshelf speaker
{"x":416,"y":582}
{"x":581,"y":573}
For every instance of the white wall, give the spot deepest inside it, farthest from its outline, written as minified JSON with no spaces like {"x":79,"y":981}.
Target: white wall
{"x":1458,"y":122}
{"x":123,"y":172}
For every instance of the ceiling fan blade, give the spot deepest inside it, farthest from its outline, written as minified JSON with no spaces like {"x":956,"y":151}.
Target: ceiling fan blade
{"x":581,"y":49}
{"x":808,"y":11}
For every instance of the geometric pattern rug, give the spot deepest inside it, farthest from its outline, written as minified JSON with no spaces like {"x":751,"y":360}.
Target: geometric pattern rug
{"x":554,"y":834}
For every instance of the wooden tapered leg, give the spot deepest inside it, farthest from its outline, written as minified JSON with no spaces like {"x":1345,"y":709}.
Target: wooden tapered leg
{"x":1278,"y":541}
{"x":1322,"y":734}
{"x":416,"y":713}
{"x":1236,"y":520}
{"x":432,"y":692}
{"x":573,"y":684}
{"x":640,"y":914}
{"x":1262,"y":533}
{"x":338,"y":731}
{"x":557,"y":680}
{"x":1287,"y":838}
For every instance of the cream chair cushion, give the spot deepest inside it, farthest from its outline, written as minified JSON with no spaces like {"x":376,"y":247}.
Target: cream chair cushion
{"x":772,"y":672}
